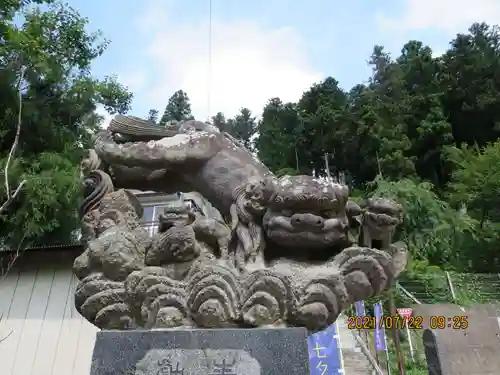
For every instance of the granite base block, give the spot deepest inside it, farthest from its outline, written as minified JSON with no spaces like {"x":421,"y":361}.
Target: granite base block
{"x":280,"y":351}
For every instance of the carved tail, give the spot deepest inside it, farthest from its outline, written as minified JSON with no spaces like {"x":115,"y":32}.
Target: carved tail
{"x":97,"y":185}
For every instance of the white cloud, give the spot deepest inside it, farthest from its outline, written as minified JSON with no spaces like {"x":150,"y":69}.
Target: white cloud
{"x":451,"y":16}
{"x":250,"y":64}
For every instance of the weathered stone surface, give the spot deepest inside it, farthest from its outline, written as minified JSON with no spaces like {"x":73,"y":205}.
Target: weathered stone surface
{"x":473,"y":350}
{"x":284,"y":258}
{"x":201,"y":352}
{"x":379,"y":222}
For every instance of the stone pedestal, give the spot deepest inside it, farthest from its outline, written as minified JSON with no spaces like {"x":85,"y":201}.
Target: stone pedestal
{"x":280,"y":351}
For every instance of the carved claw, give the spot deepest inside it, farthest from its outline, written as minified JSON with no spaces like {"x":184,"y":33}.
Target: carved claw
{"x":323,"y":298}
{"x":368,"y":272}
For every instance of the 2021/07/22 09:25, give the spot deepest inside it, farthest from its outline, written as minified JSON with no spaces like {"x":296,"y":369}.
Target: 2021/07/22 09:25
{"x":410,"y":322}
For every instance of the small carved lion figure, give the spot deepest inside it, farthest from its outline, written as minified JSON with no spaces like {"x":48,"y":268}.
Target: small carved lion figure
{"x":183,"y":232}
{"x":379,"y":222}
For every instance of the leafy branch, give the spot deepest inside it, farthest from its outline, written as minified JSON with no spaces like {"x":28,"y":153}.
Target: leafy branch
{"x":12,"y":196}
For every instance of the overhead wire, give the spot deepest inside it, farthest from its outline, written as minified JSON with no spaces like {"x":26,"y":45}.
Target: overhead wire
{"x":209,"y":73}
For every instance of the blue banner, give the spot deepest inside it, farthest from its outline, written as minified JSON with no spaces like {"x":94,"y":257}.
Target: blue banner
{"x":379,"y":334}
{"x":360,"y":308}
{"x":324,"y":352}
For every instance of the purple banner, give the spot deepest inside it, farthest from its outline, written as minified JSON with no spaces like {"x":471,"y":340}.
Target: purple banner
{"x":360,"y":308}
{"x":324,"y":352}
{"x":379,"y":334}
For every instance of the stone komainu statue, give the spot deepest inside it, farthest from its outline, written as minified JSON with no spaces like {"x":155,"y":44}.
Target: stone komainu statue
{"x":249,"y":250}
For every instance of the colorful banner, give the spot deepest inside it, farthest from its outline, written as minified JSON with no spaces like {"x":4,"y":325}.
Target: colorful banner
{"x":360,"y":311}
{"x":360,"y":308}
{"x":379,"y":333}
{"x":325,"y":357}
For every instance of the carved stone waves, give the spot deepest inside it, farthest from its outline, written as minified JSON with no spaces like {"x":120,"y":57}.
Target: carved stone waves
{"x":283,"y":258}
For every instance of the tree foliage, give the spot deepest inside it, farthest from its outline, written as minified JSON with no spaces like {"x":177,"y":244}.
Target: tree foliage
{"x":243,"y":126}
{"x":177,"y":109}
{"x":476,"y":180}
{"x":54,"y":51}
{"x":276,"y":143}
{"x":431,"y":228}
{"x":153,"y":115}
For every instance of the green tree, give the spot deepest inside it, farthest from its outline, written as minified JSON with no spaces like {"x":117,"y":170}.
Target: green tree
{"x":9,"y":8}
{"x":390,"y":145}
{"x":48,"y":113}
{"x":177,"y":109}
{"x":433,"y":230}
{"x":321,"y":110}
{"x":476,"y":180}
{"x":426,"y":124}
{"x":243,"y":127}
{"x":278,"y":135}
{"x":469,"y":80}
{"x":220,"y":121}
{"x":153,"y":115}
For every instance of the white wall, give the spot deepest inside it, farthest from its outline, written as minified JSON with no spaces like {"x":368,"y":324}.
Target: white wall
{"x":49,"y":337}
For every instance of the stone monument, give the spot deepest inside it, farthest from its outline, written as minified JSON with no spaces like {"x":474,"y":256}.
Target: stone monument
{"x":201,"y":352}
{"x":279,"y":257}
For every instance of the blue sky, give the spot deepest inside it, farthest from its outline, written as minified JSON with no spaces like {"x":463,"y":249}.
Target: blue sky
{"x":261,"y":49}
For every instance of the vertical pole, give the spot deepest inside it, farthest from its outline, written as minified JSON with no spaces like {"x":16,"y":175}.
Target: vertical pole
{"x":366,"y":351}
{"x":387,"y":360}
{"x":395,"y":335}
{"x":327,"y":167}
{"x":379,"y":320}
{"x":412,"y":354}
{"x":378,"y":165}
{"x":296,"y":160}
{"x":209,"y":80}
{"x":367,"y":341}
{"x":339,"y":347}
{"x":452,"y":289}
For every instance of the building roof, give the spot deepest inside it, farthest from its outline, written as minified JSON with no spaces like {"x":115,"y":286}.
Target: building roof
{"x":75,"y":245}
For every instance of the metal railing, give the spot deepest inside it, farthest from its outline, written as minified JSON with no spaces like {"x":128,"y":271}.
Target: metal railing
{"x":452,"y":287}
